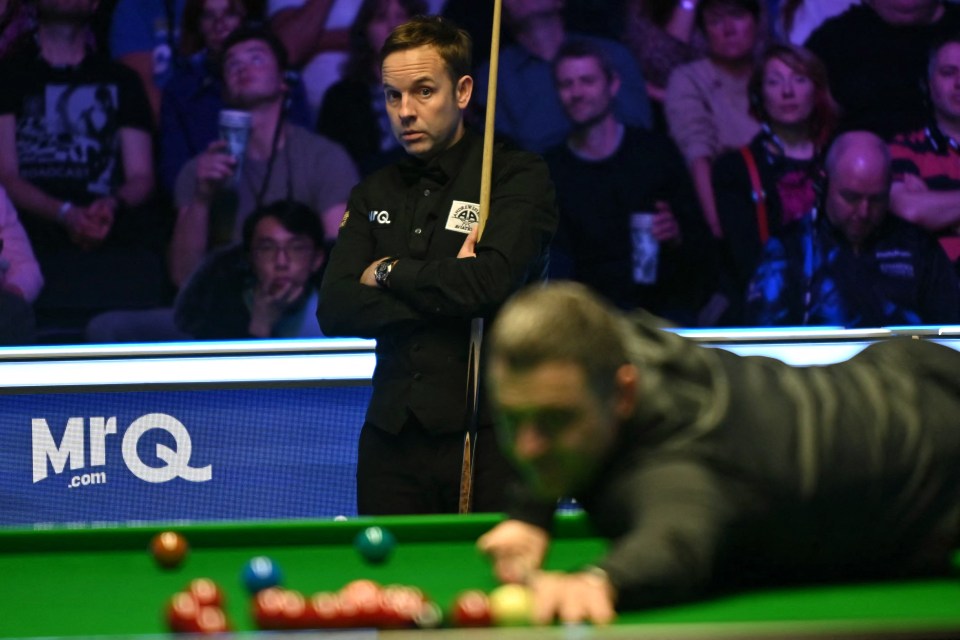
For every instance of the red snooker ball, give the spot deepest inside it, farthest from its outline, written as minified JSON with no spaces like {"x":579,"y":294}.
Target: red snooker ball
{"x":206,"y":592}
{"x":471,"y":609}
{"x":294,"y":611}
{"x":268,"y":608}
{"x":399,"y":606}
{"x":360,"y":603}
{"x":182,"y":612}
{"x":211,"y":620}
{"x":325,"y":607}
{"x":169,"y":549}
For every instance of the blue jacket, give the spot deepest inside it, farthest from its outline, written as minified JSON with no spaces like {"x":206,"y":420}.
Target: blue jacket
{"x":810,"y":275}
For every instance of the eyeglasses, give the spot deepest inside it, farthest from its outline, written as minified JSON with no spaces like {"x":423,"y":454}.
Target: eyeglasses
{"x":295,"y":251}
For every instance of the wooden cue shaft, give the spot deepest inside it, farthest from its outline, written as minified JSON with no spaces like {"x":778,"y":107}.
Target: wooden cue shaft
{"x":486,"y":171}
{"x":476,"y":326}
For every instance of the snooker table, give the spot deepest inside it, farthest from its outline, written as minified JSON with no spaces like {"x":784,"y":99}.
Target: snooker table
{"x":103,"y":582}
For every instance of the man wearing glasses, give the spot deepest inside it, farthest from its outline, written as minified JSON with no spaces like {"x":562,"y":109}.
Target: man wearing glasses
{"x":266,"y":288}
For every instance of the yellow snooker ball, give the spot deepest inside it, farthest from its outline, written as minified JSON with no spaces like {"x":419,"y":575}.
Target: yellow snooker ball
{"x":511,"y":605}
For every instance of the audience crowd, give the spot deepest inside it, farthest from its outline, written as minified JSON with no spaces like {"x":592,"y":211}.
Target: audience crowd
{"x":716,"y":162}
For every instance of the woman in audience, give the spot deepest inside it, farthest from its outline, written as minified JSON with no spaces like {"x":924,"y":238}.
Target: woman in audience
{"x":706,"y":100}
{"x":775,"y":179}
{"x":353,"y":112}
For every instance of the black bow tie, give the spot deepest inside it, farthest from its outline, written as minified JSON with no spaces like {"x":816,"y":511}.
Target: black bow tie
{"x":413,"y":171}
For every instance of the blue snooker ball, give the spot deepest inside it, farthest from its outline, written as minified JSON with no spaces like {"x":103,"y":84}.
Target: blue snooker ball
{"x":375,"y":544}
{"x":261,"y":573}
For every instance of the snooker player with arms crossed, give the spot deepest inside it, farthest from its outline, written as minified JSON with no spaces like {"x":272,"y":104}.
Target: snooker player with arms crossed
{"x":409,"y":270}
{"x":709,"y":470}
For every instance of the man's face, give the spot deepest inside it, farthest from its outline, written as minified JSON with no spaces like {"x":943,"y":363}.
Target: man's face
{"x":217,"y":19}
{"x":424,"y":105}
{"x":787,"y":95}
{"x":282,"y":258}
{"x":251,"y":74}
{"x":857,"y":198}
{"x":906,"y":12}
{"x":552,"y":424}
{"x":731,"y":32}
{"x":584,"y":90}
{"x":945,"y":83}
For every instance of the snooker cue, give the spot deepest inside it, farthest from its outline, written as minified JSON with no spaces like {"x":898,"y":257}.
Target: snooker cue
{"x":476,"y":324}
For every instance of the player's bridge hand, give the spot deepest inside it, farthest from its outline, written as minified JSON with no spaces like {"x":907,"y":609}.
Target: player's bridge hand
{"x":516,"y":548}
{"x":571,"y":598}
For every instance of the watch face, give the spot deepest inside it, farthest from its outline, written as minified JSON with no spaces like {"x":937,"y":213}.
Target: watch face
{"x":381,"y":272}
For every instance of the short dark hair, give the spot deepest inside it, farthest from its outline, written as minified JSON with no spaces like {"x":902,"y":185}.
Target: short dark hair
{"x":293,"y":216}
{"x":750,"y":6}
{"x":453,"y":43}
{"x":580,"y":48}
{"x":562,"y":321}
{"x":261,"y":33}
{"x":938,"y":44}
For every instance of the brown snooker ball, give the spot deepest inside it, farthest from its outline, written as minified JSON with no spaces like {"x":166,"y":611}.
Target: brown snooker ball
{"x":169,"y":549}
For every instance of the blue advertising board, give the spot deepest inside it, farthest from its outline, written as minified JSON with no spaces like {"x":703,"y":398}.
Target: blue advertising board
{"x":194,"y":454}
{"x":229,"y":431}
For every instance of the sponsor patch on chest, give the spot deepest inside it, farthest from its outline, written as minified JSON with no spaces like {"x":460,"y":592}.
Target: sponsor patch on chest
{"x":463,"y":216}
{"x":896,"y":263}
{"x":379,"y":217}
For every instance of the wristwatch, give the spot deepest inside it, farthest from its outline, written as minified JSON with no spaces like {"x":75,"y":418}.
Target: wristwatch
{"x":382,"y":273}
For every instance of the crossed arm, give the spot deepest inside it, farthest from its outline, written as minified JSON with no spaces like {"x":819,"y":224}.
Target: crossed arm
{"x":912,"y":200}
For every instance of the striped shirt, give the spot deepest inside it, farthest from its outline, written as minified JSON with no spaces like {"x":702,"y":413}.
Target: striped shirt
{"x":935,"y":158}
